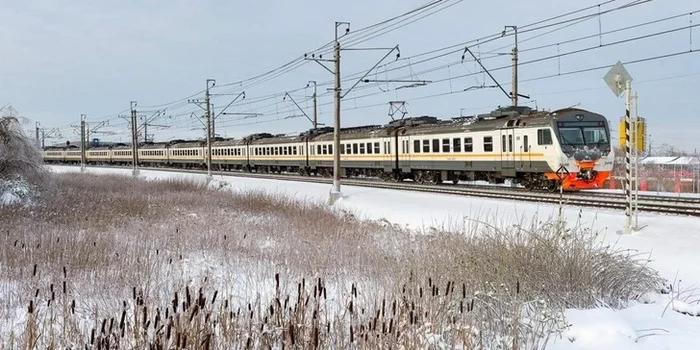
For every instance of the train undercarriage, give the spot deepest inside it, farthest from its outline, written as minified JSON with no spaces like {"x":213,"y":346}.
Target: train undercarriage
{"x":530,"y":181}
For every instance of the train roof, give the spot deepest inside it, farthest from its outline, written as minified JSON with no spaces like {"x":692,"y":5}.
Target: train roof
{"x":188,"y":144}
{"x":228,"y":142}
{"x":154,"y":145}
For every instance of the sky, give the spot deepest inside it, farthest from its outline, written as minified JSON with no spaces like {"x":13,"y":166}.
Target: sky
{"x":61,"y":59}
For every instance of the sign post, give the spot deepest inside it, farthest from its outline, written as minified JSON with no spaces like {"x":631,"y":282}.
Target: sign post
{"x":619,"y":81}
{"x":562,"y":173}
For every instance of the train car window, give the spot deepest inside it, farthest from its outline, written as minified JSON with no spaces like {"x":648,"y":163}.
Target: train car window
{"x":416,"y":146}
{"x":503,"y":143}
{"x":426,"y":146}
{"x":456,"y":145}
{"x":294,"y":150}
{"x":355,"y":149}
{"x":544,"y":137}
{"x":488,"y":144}
{"x":330,"y":149}
{"x":510,"y":143}
{"x":525,"y":145}
{"x":318,"y":149}
{"x":436,"y":146}
{"x":369,"y":148}
{"x":362,"y":148}
{"x":342,"y":149}
{"x":446,"y":145}
{"x":324,"y":149}
{"x":468,"y":144}
{"x":376,"y":148}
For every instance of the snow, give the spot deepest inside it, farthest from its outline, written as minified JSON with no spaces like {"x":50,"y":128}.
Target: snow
{"x":14,"y":192}
{"x":658,"y":321}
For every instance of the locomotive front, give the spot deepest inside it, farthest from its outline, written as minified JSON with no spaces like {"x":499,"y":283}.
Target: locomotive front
{"x":586,"y":150}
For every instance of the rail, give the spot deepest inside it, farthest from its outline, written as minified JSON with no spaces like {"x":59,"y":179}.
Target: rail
{"x":648,"y":203}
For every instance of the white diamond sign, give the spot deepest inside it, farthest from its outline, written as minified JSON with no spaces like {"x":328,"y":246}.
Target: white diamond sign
{"x":616,"y":78}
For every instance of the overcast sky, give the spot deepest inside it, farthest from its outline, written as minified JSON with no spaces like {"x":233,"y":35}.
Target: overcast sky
{"x":64,"y":58}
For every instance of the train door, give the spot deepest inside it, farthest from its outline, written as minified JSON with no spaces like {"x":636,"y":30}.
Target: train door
{"x":404,"y":154}
{"x":508,"y":151}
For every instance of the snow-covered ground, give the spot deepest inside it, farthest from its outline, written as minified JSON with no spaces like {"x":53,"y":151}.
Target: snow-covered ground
{"x":671,"y":242}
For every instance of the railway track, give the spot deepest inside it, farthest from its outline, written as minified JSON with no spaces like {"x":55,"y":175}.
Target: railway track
{"x":647,"y":203}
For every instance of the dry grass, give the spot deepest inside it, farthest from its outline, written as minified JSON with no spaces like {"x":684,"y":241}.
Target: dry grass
{"x":110,"y":259}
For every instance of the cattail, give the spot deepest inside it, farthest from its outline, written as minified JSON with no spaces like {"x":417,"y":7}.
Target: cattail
{"x":352,"y":334}
{"x":111,"y":324}
{"x":34,"y":273}
{"x":430,"y":282}
{"x":213,"y":299}
{"x":464,"y":290}
{"x":420,"y":292}
{"x":31,"y":306}
{"x":36,"y":293}
{"x":393,"y":308}
{"x":145,"y":314}
{"x":517,"y":286}
{"x":291,"y":332}
{"x":350,"y":307}
{"x":133,"y":293}
{"x":72,"y":307}
{"x":92,"y":337}
{"x":175,"y":303}
{"x":121,"y":322}
{"x":277,"y":281}
{"x":447,"y":289}
{"x":64,"y":287}
{"x":104,"y":324}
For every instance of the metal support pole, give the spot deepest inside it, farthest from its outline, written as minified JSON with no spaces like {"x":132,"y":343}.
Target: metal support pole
{"x":315,"y":107}
{"x":83,"y":158}
{"x":515,"y":69}
{"x":335,"y":193}
{"x":134,"y":141}
{"x":208,"y":155}
{"x":628,"y":188}
{"x":38,"y":141}
{"x":635,"y":147}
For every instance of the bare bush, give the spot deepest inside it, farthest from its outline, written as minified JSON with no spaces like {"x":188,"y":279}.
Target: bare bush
{"x":115,"y":261}
{"x":20,"y":157}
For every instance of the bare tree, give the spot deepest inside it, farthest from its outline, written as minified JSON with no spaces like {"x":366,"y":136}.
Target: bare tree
{"x":20,"y":156}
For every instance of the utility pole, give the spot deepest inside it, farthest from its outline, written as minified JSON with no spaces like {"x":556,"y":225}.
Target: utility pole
{"x":315,"y":122}
{"x":38,"y":141}
{"x":83,"y":155}
{"x":134,"y":141}
{"x":514,"y":92}
{"x":208,"y":101}
{"x":210,"y":118}
{"x":335,"y":192}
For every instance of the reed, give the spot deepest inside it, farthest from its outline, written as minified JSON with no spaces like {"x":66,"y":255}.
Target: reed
{"x":111,"y":262}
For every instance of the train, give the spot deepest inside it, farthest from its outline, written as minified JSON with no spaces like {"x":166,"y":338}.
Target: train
{"x":568,"y":148}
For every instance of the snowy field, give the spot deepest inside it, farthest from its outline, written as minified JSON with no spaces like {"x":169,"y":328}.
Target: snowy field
{"x":670,"y":242}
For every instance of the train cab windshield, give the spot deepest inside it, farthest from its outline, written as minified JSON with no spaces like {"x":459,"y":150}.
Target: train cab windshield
{"x":590,"y":134}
